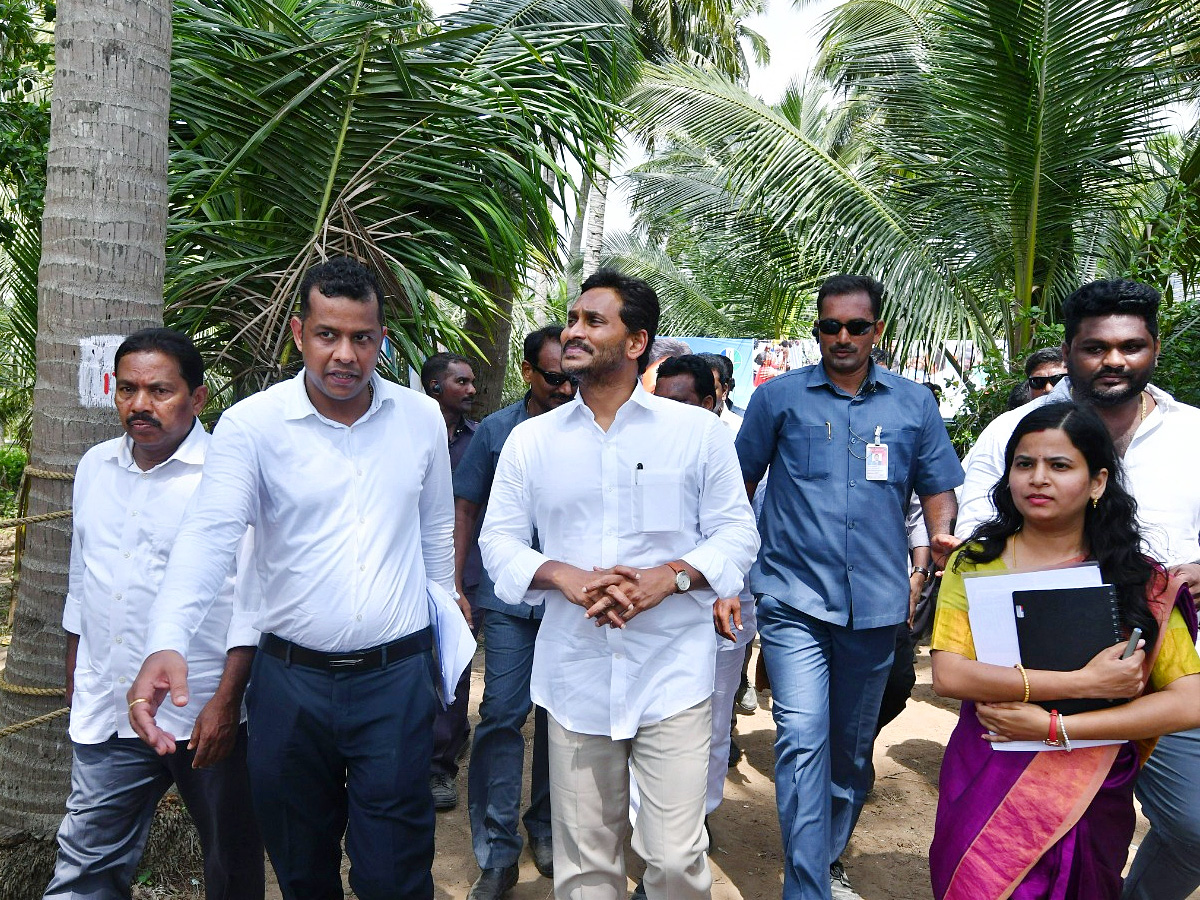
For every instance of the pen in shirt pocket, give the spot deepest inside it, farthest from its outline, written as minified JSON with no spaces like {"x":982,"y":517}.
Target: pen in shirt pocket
{"x":637,"y":473}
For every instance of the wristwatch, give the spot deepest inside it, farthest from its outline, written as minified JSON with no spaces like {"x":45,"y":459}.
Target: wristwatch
{"x":924,"y":571}
{"x":683,"y":581}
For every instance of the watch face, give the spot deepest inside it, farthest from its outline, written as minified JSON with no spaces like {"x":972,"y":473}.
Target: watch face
{"x":683,"y":580}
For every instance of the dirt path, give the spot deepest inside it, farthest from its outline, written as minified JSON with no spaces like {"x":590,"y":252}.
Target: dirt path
{"x":886,"y":859}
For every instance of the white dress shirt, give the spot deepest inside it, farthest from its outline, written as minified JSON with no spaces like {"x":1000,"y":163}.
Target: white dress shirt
{"x":1156,"y":469}
{"x":561,"y":474}
{"x":125,"y":521}
{"x":350,"y":520}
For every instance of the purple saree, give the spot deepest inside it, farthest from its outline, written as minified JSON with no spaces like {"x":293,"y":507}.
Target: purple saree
{"x":1037,"y":826}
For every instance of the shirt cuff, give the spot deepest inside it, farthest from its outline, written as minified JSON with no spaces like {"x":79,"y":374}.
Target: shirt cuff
{"x":723,"y":577}
{"x":242,"y":632}
{"x":513,"y":583}
{"x":167,"y":637}
{"x":72,"y":619}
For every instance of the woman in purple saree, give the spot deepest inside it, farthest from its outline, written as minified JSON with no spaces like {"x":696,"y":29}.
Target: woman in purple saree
{"x":1055,"y":825}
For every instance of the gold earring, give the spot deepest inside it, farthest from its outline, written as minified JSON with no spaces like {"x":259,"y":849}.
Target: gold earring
{"x":1095,"y":502}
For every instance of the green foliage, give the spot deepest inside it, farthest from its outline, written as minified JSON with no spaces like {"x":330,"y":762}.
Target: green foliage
{"x":26,"y":64}
{"x":990,"y":158}
{"x":437,"y":151}
{"x":13,"y":460}
{"x":1178,"y":370}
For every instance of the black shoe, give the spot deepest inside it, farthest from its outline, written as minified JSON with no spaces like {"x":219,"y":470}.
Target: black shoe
{"x":639,"y":892}
{"x":735,"y":753}
{"x":542,"y":851}
{"x":492,"y":884}
{"x":445,"y":792}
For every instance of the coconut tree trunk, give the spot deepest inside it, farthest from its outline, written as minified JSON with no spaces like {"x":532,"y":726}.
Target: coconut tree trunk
{"x":492,"y":336}
{"x":101,"y":273}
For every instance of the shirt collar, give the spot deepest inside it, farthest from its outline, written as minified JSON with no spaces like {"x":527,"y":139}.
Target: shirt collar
{"x":1062,"y":391}
{"x":190,"y":452}
{"x":297,"y":405}
{"x":641,"y":397}
{"x":817,"y":376}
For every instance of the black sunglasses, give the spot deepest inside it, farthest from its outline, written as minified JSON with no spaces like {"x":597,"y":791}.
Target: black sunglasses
{"x":1039,"y":382}
{"x":856,"y":327}
{"x":555,"y":379}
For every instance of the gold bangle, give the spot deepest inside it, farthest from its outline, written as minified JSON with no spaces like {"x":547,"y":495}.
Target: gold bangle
{"x":135,"y":701}
{"x":1025,"y":678}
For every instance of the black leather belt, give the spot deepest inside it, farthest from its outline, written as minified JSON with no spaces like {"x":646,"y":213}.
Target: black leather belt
{"x":350,"y":661}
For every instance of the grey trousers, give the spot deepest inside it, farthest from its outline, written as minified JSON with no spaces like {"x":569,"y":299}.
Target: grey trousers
{"x":1167,"y":865}
{"x":115,"y":788}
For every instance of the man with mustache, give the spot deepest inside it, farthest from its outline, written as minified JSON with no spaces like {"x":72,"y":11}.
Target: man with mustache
{"x":643,"y":522}
{"x":510,"y":630}
{"x":1111,"y":347}
{"x":129,"y":498}
{"x":346,"y":478}
{"x":847,"y":444}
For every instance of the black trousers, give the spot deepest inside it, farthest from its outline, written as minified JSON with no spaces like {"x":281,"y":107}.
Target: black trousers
{"x":344,"y":752}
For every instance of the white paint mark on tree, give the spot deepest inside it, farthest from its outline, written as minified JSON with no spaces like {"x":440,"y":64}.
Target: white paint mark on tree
{"x":97,"y":373}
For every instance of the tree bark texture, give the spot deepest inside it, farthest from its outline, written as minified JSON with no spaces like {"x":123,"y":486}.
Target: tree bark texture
{"x":492,"y":337}
{"x":597,"y":203}
{"x":101,"y":273}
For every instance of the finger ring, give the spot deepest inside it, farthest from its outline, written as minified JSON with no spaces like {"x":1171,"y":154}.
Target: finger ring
{"x":134,"y":702}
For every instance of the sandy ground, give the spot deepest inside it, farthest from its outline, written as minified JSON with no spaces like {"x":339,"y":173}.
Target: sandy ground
{"x":886,"y":858}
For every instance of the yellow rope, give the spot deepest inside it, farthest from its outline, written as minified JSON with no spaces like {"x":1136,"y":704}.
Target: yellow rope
{"x":48,"y":475}
{"x":36,"y":720}
{"x":9,"y":688}
{"x":29,"y":520}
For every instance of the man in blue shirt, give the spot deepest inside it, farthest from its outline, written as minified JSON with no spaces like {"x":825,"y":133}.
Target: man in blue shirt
{"x":847,"y":443}
{"x":494,"y":777}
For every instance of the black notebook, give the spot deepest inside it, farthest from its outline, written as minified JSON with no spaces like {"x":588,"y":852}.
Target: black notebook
{"x":1061,"y":630}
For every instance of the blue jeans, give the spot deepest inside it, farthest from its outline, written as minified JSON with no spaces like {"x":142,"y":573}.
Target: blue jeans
{"x":1167,"y":865}
{"x":826,"y":685}
{"x":344,"y":752}
{"x":115,"y":788}
{"x":498,"y":754}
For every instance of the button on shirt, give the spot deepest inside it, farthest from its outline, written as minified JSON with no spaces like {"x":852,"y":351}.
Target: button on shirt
{"x":351,"y":520}
{"x":661,"y":484}
{"x":125,"y":521}
{"x":834,"y":543}
{"x":1154,"y":468}
{"x":473,"y":478}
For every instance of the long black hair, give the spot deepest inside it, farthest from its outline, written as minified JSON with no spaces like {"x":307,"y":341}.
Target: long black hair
{"x":1110,"y":527}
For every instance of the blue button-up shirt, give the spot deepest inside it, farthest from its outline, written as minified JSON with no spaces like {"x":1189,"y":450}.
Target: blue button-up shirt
{"x":834,"y":544}
{"x":473,"y":481}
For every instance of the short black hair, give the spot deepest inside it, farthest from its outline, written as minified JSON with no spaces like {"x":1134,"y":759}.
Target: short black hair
{"x":722,"y":364}
{"x":1116,"y":297}
{"x":168,"y":342}
{"x":1042,"y":357}
{"x":694,"y":365}
{"x":838,"y":285}
{"x":341,"y":276}
{"x":434,"y":368}
{"x":639,"y":305}
{"x":536,"y":340}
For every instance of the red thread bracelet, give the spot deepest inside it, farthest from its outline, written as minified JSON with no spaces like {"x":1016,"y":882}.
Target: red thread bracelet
{"x":1052,"y":739}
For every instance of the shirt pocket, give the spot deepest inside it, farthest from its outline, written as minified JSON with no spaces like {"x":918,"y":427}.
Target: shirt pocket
{"x":657,"y":501}
{"x":811,"y":455}
{"x":901,"y":455}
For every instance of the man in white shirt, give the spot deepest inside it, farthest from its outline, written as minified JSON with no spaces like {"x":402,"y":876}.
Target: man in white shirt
{"x":346,"y":479}
{"x":636,"y":500}
{"x":1111,"y":348}
{"x":129,"y":497}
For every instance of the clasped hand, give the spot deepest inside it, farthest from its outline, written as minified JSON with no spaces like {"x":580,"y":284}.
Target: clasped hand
{"x":614,"y":596}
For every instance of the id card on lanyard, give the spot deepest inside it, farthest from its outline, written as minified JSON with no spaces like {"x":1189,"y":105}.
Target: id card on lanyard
{"x":877,"y":458}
